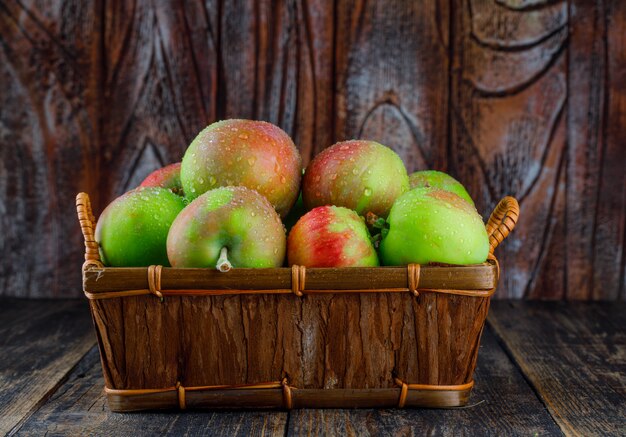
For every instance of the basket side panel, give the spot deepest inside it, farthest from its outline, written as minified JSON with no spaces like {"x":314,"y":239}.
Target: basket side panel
{"x":319,"y":341}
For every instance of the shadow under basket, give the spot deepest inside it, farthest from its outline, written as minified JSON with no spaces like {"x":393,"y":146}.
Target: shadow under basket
{"x":290,"y":337}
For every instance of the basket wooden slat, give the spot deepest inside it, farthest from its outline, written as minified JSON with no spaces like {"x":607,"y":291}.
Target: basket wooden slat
{"x":334,"y":347}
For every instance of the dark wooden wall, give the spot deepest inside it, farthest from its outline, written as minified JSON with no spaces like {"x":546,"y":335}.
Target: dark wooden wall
{"x":521,"y":97}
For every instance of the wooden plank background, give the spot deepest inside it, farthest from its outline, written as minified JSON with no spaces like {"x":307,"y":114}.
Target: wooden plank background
{"x":520,"y":97}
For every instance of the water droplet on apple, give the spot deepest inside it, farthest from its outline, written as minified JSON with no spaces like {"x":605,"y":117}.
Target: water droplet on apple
{"x":251,"y":160}
{"x":367,"y":191}
{"x":212,"y":180}
{"x":355,"y":171}
{"x":243,"y":136}
{"x":333,"y":176}
{"x":201,"y":180}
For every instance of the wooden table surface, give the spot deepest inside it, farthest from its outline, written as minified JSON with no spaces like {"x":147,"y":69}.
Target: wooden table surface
{"x":543,"y":369}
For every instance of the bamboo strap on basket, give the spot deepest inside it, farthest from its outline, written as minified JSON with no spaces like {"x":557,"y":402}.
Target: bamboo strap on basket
{"x":404,"y":389}
{"x":181,"y":391}
{"x":298,"y":282}
{"x":283,"y":385}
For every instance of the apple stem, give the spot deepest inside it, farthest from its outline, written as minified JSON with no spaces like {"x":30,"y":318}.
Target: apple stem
{"x":223,"y":265}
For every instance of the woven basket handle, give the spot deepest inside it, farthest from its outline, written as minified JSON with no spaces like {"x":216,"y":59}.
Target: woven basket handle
{"x":88,"y":226}
{"x":502,"y":221}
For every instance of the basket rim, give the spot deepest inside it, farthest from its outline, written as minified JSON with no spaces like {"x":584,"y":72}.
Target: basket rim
{"x":478,"y":280}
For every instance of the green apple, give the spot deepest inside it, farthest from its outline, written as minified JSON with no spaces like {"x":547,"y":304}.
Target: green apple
{"x":132,"y":230}
{"x":431,"y":225}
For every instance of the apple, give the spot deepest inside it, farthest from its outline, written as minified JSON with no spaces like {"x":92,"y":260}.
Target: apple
{"x":364,"y":176}
{"x":166,"y":177}
{"x":441,"y":180}
{"x":432,"y":225}
{"x":132,"y":230}
{"x":227,"y":226}
{"x":331,"y":236}
{"x":253,"y":154}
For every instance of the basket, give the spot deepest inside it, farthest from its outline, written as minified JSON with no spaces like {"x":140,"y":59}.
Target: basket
{"x":294,"y":337}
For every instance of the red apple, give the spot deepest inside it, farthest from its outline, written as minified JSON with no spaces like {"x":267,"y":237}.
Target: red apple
{"x":253,"y":154}
{"x":331,"y":236}
{"x":361,"y":175}
{"x":166,"y":177}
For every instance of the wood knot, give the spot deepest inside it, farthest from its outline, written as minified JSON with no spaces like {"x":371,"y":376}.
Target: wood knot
{"x":154,"y":281}
{"x":298,"y":278}
{"x":413,"y":278}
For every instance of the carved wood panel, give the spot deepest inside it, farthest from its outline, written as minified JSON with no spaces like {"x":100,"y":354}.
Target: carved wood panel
{"x":521,"y":97}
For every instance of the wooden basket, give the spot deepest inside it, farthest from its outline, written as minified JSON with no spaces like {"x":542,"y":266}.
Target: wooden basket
{"x":289,"y":337}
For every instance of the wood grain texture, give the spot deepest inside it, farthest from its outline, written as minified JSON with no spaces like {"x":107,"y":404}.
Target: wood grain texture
{"x":391,"y":77}
{"x":508,"y":130}
{"x":160,"y":74}
{"x":79,"y":407}
{"x":520,"y":97}
{"x":596,"y":184}
{"x":318,"y":341}
{"x":277,"y":65}
{"x":609,"y":273}
{"x":574,"y":357}
{"x":40,"y":342}
{"x":49,"y":68}
{"x":502,"y":403}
